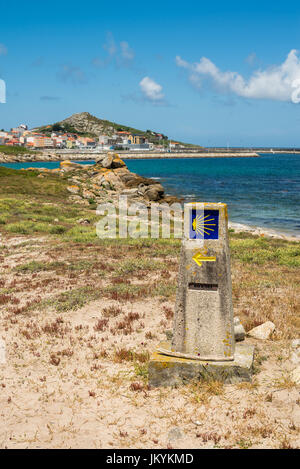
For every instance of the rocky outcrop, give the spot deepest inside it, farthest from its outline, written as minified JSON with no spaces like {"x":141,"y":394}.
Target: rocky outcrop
{"x":84,"y":122}
{"x":105,"y":180}
{"x":12,"y":158}
{"x":32,"y":156}
{"x":110,"y":161}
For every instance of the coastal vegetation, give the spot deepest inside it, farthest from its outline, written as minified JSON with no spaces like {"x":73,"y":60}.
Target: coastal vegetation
{"x":86,"y":313}
{"x":16,"y":150}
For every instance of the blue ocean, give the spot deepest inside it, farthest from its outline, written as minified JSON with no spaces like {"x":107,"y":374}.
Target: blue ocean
{"x":262,"y":191}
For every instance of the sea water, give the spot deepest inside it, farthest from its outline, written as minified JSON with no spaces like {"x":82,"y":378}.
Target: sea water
{"x":262,"y":191}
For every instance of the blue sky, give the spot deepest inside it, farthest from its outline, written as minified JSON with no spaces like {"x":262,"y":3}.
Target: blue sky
{"x":212,"y":73}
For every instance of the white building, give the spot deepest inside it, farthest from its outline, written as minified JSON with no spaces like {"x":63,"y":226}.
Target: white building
{"x":103,"y":139}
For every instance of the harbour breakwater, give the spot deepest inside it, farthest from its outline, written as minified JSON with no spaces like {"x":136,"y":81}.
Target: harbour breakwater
{"x":61,"y":155}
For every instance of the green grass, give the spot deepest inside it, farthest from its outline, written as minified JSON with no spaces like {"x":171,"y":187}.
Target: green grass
{"x":165,"y":289}
{"x":258,"y":250}
{"x":81,"y":234}
{"x":16,"y":150}
{"x":33,"y":205}
{"x":130,"y":266}
{"x":82,"y":265}
{"x":36,"y":266}
{"x":141,"y":370}
{"x":27,"y":216}
{"x":29,"y":227}
{"x":71,"y":300}
{"x":123,"y":290}
{"x":21,"y":182}
{"x":79,"y":297}
{"x":244,"y":444}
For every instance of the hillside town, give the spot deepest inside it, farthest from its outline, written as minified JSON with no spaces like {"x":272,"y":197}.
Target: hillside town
{"x":120,"y":140}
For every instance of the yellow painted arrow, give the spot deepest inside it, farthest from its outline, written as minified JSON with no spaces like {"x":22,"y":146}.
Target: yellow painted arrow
{"x":199,"y":258}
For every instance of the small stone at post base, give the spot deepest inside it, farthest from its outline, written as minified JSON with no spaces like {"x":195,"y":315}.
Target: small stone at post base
{"x":165,"y":370}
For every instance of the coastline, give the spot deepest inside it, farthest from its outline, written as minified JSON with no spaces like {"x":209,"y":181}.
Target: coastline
{"x":62,"y":155}
{"x":237,"y":227}
{"x":65,"y":155}
{"x":259,"y":231}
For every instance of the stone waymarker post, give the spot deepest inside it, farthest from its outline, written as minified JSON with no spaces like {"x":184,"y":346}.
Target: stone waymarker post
{"x":203,"y":342}
{"x":203,"y":327}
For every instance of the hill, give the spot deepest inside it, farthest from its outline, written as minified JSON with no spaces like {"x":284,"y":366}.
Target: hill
{"x":86,"y":124}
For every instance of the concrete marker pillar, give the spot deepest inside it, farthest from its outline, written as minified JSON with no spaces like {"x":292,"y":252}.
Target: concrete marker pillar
{"x":203,"y":335}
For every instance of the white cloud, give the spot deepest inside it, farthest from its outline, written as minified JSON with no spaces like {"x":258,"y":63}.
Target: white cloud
{"x":126,"y":52}
{"x":151,"y":89}
{"x":72,"y":73}
{"x":181,"y":63}
{"x":119,"y":54}
{"x":3,"y":49}
{"x":251,"y":59}
{"x":280,"y":82}
{"x":110,"y":45}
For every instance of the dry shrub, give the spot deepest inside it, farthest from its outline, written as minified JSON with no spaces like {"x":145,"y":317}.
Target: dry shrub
{"x":123,"y":326}
{"x":14,"y":300}
{"x":95,"y":367}
{"x":54,"y":360}
{"x":248,"y":413}
{"x":120,"y":280}
{"x":32,"y":331}
{"x":23,"y":309}
{"x":56,"y":328}
{"x":101,"y":354}
{"x":104,"y":266}
{"x":165,"y":274}
{"x":285,"y":444}
{"x":130,"y":317}
{"x":168,"y":312}
{"x":149,"y":335}
{"x":68,"y":352}
{"x":101,"y":325}
{"x":209,"y":436}
{"x":111,"y":311}
{"x":4,"y":299}
{"x":138,"y":386}
{"x":128,"y":355}
{"x":117,"y":296}
{"x":201,"y":392}
{"x":142,"y":357}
